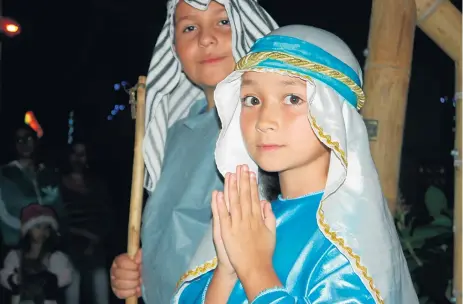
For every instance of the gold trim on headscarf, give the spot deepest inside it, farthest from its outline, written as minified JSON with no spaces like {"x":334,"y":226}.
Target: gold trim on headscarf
{"x":331,"y":235}
{"x":251,"y":60}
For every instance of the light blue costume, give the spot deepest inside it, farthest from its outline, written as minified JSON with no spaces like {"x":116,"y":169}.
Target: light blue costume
{"x":327,"y":273}
{"x":336,"y":247}
{"x":189,"y":157}
{"x":179,"y":150}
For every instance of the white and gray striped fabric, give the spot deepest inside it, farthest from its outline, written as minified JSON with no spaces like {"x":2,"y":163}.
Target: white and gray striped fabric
{"x":170,"y":94}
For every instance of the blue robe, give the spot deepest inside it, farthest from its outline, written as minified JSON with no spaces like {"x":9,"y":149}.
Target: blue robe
{"x":178,"y":211}
{"x":311,"y":269}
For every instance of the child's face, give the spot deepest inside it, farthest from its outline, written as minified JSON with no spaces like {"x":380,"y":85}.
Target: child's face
{"x":78,"y":157}
{"x":40,"y":233}
{"x":203,"y":43}
{"x":274,"y":122}
{"x":25,"y":143}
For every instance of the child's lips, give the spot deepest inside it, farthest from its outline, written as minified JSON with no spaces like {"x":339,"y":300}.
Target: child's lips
{"x":212,"y":60}
{"x":269,"y":147}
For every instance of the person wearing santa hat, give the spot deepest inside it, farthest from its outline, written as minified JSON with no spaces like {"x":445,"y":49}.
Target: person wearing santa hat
{"x":36,"y":270}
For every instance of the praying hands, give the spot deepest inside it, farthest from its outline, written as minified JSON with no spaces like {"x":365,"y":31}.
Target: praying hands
{"x":244,"y":232}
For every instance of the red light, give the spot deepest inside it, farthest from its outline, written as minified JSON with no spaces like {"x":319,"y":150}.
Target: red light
{"x":9,"y":27}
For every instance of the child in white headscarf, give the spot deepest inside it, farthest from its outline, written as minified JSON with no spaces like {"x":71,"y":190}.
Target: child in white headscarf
{"x":290,"y":107}
{"x":197,"y":48}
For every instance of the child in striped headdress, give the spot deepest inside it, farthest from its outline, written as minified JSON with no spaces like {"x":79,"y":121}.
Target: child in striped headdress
{"x":291,"y":107}
{"x":198,"y":47}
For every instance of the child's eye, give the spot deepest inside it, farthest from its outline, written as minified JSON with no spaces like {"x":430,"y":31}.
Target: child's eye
{"x":250,"y":101}
{"x":292,"y":100}
{"x":224,"y":22}
{"x":188,"y":29}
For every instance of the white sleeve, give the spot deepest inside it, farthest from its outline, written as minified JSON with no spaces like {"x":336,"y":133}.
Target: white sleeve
{"x":61,"y":266}
{"x":10,"y":267}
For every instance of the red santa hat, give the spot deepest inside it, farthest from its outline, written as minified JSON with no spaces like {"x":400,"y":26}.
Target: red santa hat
{"x":35,"y":214}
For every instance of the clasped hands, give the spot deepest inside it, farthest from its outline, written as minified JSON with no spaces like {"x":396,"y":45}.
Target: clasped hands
{"x":244,"y":227}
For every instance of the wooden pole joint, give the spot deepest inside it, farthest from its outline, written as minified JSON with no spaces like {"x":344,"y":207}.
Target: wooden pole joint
{"x":456,"y":159}
{"x":133,"y":98}
{"x":428,"y":10}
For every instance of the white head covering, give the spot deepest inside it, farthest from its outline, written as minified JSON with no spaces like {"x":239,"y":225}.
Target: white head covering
{"x":170,"y":94}
{"x":353,"y":213}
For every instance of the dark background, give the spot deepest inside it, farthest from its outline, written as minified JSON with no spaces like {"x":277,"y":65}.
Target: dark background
{"x":71,"y":53}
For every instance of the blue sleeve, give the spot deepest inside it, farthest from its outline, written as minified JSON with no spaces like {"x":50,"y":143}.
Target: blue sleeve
{"x":277,"y":295}
{"x":194,"y":292}
{"x":332,"y":281}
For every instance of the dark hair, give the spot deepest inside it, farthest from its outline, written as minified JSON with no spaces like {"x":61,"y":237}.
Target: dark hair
{"x":49,"y":246}
{"x":13,"y":152}
{"x":66,"y":163}
{"x":26,"y":128}
{"x":28,"y":267}
{"x":269,"y":185}
{"x":70,"y":148}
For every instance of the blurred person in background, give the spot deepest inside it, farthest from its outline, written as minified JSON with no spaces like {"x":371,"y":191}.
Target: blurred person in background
{"x":87,"y":202}
{"x":24,"y":181}
{"x":36,"y":270}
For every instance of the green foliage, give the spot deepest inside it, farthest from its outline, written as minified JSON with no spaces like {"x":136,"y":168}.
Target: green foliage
{"x":428,"y":248}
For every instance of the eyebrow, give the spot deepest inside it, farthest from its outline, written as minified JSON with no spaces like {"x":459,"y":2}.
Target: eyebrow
{"x":247,"y":82}
{"x":192,"y":16}
{"x":289,"y":83}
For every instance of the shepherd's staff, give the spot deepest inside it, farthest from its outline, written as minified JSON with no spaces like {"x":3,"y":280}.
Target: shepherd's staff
{"x":137,"y":102}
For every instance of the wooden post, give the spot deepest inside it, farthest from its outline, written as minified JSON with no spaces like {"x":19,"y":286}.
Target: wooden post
{"x":387,"y":76}
{"x":136,"y":199}
{"x":441,"y":21}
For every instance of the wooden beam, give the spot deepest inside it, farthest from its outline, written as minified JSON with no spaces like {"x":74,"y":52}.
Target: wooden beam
{"x":387,"y":76}
{"x":441,"y":21}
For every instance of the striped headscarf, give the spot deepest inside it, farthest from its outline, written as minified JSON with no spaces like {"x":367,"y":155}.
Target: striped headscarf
{"x":170,"y":94}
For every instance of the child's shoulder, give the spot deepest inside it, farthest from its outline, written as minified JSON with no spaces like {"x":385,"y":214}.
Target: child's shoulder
{"x":329,"y":258}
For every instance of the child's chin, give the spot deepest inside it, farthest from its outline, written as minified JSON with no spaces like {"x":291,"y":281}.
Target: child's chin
{"x":271,"y":167}
{"x":212,"y":78}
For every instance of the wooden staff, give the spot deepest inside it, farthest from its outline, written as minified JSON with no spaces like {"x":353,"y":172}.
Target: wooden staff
{"x":137,"y":101}
{"x":387,"y":76}
{"x":441,"y":21}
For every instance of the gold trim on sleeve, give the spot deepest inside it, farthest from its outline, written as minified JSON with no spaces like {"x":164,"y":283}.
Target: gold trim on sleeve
{"x":197,"y":271}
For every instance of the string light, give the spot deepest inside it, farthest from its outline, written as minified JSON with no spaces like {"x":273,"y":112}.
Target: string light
{"x":115,"y":110}
{"x":71,"y":127}
{"x":123,"y":85}
{"x":445,"y":99}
